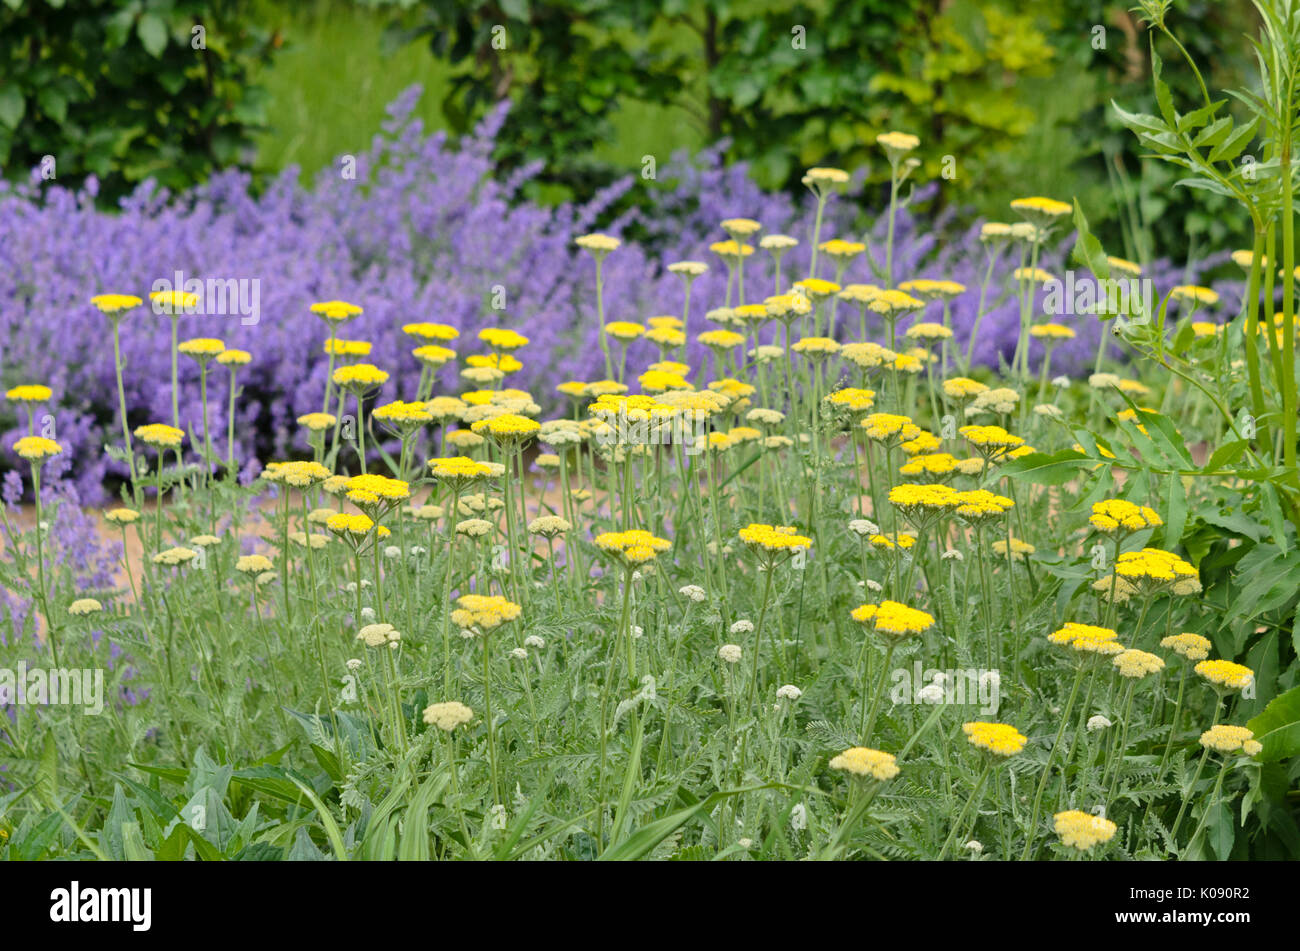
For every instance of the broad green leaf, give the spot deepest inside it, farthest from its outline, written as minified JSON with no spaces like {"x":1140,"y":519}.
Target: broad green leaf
{"x":1277,"y":728}
{"x":1046,"y":468}
{"x":153,"y":33}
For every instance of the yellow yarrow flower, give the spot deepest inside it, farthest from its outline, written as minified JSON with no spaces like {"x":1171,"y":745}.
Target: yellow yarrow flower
{"x":1136,"y":664}
{"x":1225,"y":674}
{"x":1082,"y":830}
{"x":1223,"y":738}
{"x":866,"y":762}
{"x":29,"y":393}
{"x":36,"y":448}
{"x":1191,"y":646}
{"x":160,"y":435}
{"x":893,"y":619}
{"x":999,"y":739}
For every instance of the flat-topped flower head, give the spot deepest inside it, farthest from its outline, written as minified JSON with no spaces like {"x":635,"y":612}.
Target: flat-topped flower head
{"x":923,"y":500}
{"x":172,"y":557}
{"x":815,"y":347}
{"x":721,"y":339}
{"x":977,"y":505}
{"x":894,"y":303}
{"x":931,"y":289}
{"x":1191,"y":646}
{"x":484,"y":613}
{"x":842,"y":250}
{"x":122,"y":516}
{"x":625,"y":330}
{"x":788,"y":307}
{"x":353,"y":527}
{"x":36,"y":449}
{"x":202,"y":349}
{"x":1000,"y":400}
{"x":1153,"y":568}
{"x":1136,"y":664}
{"x":997,"y":738}
{"x":889,"y":541}
{"x":115,"y":305}
{"x":777,"y":243}
{"x":1223,"y":738}
{"x":1128,"y":267}
{"x":499,"y":338}
{"x":866,"y":762}
{"x":816,"y":288}
{"x":633,"y":547}
{"x":360,"y":377}
{"x":1051,"y":333}
{"x":549,"y":526}
{"x":29,"y":393}
{"x":741,"y":227}
{"x":448,"y":715}
{"x":1195,"y":295}
{"x":425,"y":330}
{"x":1117,"y":516}
{"x":897,"y":143}
{"x":1225,"y":674}
{"x":507,"y":428}
{"x":1082,"y":830}
{"x":1087,"y":639}
{"x":173,"y":302}
{"x":253,"y":564}
{"x":851,"y":399}
{"x":658,"y":381}
{"x":339,"y":347}
{"x":84,"y":606}
{"x":893,"y":619}
{"x":689,"y":270}
{"x":1019,"y":549}
{"x":379,"y":635}
{"x":160,"y":435}
{"x":597,"y":243}
{"x":299,"y":474}
{"x":731,"y":250}
{"x":1036,"y":208}
{"x":234,"y":358}
{"x":867,"y":356}
{"x":403,"y":417}
{"x":928,"y":331}
{"x":823,"y":176}
{"x":1032,"y":275}
{"x":336,"y":311}
{"x":990,"y":440}
{"x":317,"y":422}
{"x":890,"y":427}
{"x":389,"y":490}
{"x":774,"y":539}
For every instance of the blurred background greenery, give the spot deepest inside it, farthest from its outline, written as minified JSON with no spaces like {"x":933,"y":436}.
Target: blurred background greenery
{"x":1011,"y":96}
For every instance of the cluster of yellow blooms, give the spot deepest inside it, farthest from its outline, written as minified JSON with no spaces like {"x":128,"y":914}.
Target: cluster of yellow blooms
{"x":1112,"y":515}
{"x":1087,"y":638}
{"x":484,"y":612}
{"x":773,"y":538}
{"x":1082,"y":830}
{"x":1191,"y":646}
{"x":1231,"y":739}
{"x":633,"y":547}
{"x":1152,"y":565}
{"x":1136,"y":664}
{"x":863,"y":761}
{"x":997,"y":738}
{"x":894,"y":619}
{"x":1226,"y":674}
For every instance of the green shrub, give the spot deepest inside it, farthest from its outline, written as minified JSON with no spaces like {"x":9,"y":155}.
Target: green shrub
{"x":127,"y":89}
